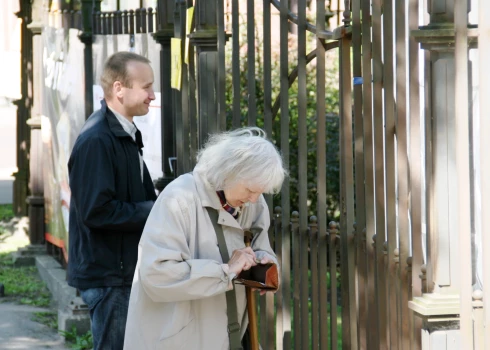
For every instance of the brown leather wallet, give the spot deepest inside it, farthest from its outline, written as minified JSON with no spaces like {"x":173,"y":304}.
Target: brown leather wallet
{"x":260,"y":276}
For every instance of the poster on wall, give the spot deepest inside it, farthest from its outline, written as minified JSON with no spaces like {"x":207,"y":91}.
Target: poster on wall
{"x":63,"y":115}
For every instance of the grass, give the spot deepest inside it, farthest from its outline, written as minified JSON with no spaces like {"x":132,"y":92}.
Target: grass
{"x":6,"y":212}
{"x":47,"y":318}
{"x":78,"y":342}
{"x":22,"y":284}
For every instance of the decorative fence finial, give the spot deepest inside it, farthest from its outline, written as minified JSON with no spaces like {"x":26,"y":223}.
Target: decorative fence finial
{"x":347,"y":14}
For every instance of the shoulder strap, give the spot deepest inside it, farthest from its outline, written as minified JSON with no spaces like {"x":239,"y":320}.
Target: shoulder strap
{"x":231,"y":308}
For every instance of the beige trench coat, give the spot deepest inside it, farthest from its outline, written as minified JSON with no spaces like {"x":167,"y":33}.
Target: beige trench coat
{"x":178,"y":294}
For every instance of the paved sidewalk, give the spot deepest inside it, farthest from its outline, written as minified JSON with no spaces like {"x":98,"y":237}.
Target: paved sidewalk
{"x":18,"y":331}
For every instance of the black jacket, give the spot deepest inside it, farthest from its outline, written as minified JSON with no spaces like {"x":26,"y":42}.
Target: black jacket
{"x":109,"y":203}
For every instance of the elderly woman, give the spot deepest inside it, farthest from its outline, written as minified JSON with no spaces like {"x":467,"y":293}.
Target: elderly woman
{"x":178,"y":295}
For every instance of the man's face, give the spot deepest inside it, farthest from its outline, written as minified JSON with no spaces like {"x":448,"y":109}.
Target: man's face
{"x":136,"y":99}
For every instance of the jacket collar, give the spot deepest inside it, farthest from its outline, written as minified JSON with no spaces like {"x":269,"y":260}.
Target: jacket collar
{"x":116,"y":127}
{"x":209,"y":198}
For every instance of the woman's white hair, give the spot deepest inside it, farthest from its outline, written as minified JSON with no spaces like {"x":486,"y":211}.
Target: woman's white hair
{"x":242,"y":155}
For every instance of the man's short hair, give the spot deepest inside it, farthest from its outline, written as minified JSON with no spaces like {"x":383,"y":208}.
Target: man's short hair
{"x":116,"y":69}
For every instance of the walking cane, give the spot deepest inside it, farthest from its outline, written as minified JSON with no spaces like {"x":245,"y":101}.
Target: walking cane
{"x":251,"y":305}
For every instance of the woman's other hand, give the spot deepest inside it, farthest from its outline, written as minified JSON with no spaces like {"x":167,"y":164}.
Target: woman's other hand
{"x":242,"y":259}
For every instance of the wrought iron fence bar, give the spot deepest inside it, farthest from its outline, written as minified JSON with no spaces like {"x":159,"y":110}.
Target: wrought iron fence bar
{"x":378,"y":127}
{"x":125,"y":19}
{"x":251,"y":97}
{"x":137,"y":16}
{"x":371,"y":326}
{"x":193,"y":130}
{"x":315,"y":277}
{"x":270,"y":321}
{"x":278,"y":244}
{"x":186,"y":92}
{"x":349,"y":317}
{"x":113,"y":21}
{"x":235,"y":25}
{"x":144,"y":15}
{"x":301,"y":334}
{"x":267,"y":77}
{"x":390,"y":176}
{"x":322,"y":34}
{"x":402,"y":173}
{"x":118,"y":22}
{"x":284,"y":341}
{"x":151,"y":19}
{"x":360,"y":215}
{"x":267,"y":61}
{"x":321,"y":180}
{"x":221,"y":97}
{"x":131,"y":21}
{"x":332,"y":253}
{"x":179,"y":30}
{"x":103,"y":24}
{"x":262,"y":312}
{"x":305,"y":286}
{"x":296,"y":309}
{"x":463,"y":170}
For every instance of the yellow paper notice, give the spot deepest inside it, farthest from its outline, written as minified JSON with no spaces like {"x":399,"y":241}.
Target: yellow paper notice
{"x":190,"y":14}
{"x":176,"y":76}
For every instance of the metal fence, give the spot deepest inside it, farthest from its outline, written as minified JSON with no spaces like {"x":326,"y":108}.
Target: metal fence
{"x":348,"y":284}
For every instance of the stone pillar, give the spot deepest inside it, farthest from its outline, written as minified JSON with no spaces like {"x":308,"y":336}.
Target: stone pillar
{"x":439,"y":307}
{"x":165,"y":32}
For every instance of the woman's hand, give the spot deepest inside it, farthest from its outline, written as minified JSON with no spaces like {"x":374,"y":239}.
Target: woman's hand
{"x":242,"y":259}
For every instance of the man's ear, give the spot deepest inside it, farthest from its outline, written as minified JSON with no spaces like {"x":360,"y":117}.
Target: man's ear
{"x":117,"y":89}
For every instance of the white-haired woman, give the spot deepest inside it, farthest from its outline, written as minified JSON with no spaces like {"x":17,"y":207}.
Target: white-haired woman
{"x":178,"y":295}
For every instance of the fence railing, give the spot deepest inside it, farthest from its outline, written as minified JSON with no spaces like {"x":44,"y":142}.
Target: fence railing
{"x":141,"y":20}
{"x":268,"y":64}
{"x":313,"y":288}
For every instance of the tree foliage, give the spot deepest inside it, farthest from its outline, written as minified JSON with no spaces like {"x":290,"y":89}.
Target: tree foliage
{"x":332,"y":121}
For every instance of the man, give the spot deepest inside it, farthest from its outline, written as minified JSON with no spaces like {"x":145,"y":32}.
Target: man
{"x":111,"y":197}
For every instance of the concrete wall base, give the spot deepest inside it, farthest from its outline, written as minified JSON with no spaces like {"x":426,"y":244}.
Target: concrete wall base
{"x":72,"y":311}
{"x":26,"y":256}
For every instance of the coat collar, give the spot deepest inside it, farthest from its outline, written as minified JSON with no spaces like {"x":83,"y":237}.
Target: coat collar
{"x":209,"y":198}
{"x":116,"y":127}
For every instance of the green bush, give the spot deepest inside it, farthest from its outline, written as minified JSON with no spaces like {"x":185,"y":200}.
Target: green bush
{"x":78,"y":342}
{"x":332,"y":124}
